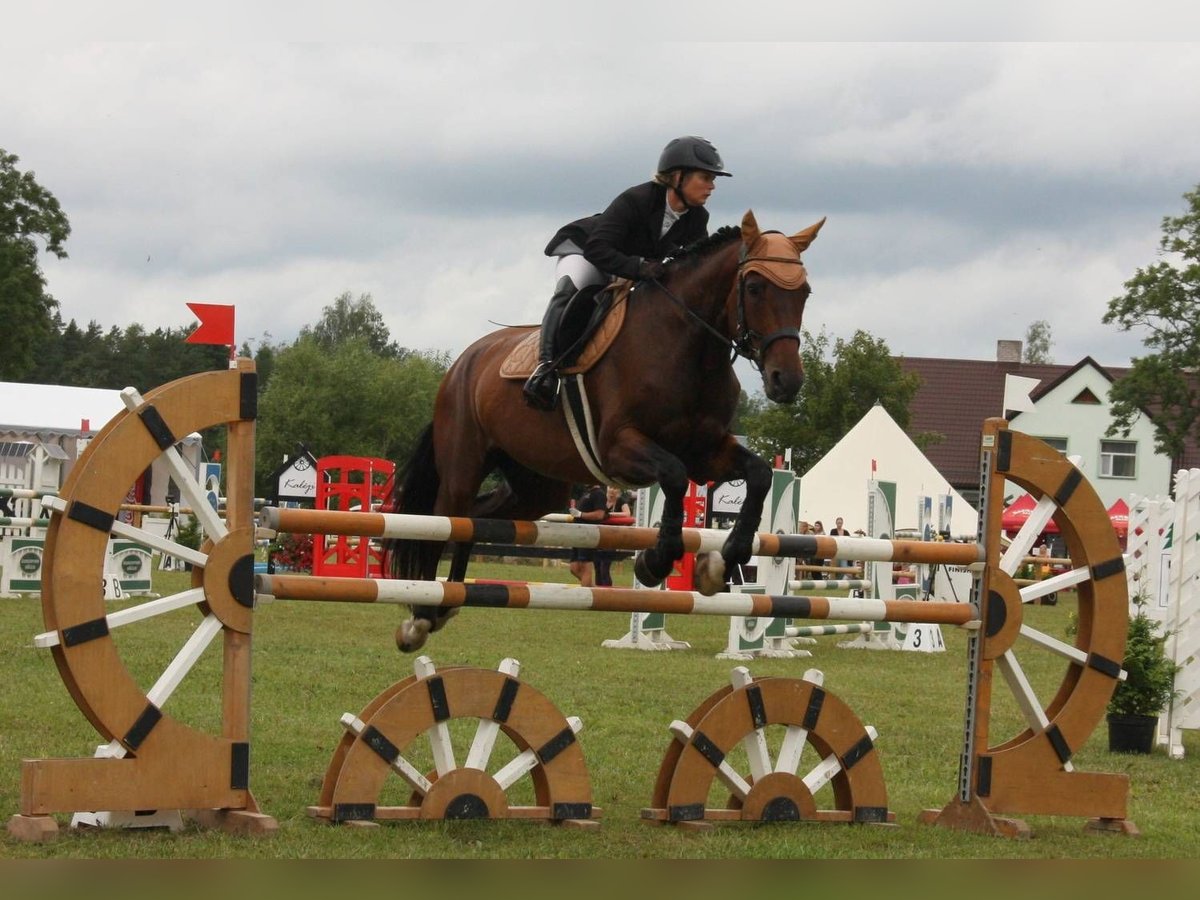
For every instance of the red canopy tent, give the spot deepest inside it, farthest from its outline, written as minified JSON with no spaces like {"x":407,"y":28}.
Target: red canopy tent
{"x":1017,"y":515}
{"x":1118,"y":514}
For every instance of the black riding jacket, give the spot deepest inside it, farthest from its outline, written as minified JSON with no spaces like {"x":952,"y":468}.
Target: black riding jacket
{"x":618,"y":239}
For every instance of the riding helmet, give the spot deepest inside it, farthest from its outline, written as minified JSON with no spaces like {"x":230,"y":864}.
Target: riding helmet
{"x":691,"y":152}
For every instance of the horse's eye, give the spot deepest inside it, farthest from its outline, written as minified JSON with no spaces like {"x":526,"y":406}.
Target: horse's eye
{"x":754,"y":288}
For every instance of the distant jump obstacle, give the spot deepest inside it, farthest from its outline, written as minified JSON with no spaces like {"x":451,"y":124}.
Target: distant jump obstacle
{"x":155,"y":761}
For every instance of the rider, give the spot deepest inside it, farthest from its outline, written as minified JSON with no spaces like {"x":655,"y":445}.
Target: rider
{"x":628,"y":240}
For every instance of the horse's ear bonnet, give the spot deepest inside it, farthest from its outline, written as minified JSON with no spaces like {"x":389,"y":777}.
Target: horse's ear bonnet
{"x":773,"y":255}
{"x":802,"y":239}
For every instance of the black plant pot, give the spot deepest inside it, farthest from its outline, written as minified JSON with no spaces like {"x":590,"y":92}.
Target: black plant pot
{"x":1131,"y":734}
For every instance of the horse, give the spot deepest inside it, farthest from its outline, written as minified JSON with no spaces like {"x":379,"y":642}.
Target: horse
{"x":662,"y":399}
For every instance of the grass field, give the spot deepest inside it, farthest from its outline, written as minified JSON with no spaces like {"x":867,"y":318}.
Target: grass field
{"x":314,"y":662}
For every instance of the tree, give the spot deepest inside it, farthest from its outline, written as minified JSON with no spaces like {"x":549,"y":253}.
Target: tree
{"x":347,"y":319}
{"x":837,"y":392}
{"x":1164,"y":299}
{"x":27,"y":211}
{"x":347,"y":400}
{"x":1038,"y":343}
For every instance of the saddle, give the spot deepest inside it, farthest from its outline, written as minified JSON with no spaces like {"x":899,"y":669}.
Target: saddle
{"x":589,"y":326}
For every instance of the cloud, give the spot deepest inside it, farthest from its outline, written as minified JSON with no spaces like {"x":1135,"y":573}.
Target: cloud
{"x":973,"y":186}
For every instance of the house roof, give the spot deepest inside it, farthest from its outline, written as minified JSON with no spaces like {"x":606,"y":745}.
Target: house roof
{"x":954,"y":398}
{"x":956,"y":395}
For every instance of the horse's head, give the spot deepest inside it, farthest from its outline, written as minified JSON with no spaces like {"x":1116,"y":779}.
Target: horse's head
{"x":771,"y":289}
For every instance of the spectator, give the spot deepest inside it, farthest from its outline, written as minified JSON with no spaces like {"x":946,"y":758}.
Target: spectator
{"x":615,"y":504}
{"x":590,"y":508}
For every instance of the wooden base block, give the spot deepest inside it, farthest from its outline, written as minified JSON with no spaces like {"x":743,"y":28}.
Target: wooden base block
{"x":33,"y":829}
{"x":974,"y":817}
{"x":241,"y":822}
{"x":582,"y":824}
{"x":1112,"y":826}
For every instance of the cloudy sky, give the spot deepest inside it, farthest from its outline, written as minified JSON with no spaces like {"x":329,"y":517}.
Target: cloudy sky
{"x":971,"y":188}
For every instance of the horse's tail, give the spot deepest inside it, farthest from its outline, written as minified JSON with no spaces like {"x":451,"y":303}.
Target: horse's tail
{"x":415,"y":492}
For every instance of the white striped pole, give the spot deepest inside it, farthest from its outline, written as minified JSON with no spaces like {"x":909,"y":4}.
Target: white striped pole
{"x":808,"y":631}
{"x":840,"y":584}
{"x":626,"y":600}
{"x":605,"y":537}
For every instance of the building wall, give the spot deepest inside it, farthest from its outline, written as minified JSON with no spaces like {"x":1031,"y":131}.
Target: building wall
{"x":1056,"y":415}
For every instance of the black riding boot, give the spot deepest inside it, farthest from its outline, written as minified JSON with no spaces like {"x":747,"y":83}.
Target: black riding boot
{"x":541,"y":390}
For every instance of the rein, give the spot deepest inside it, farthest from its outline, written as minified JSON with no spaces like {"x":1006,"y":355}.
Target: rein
{"x":743,"y":343}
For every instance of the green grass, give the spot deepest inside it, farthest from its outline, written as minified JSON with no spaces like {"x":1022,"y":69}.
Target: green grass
{"x":314,"y":662}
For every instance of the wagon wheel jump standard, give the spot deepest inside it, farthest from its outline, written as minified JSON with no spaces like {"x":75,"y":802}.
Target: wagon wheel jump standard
{"x":423,"y":708}
{"x":154,"y":761}
{"x":1030,"y":773}
{"x":771,"y":790}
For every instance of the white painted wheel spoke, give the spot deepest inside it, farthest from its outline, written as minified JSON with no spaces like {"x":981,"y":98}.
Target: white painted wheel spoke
{"x":440,"y":744}
{"x":400,"y":765}
{"x":1027,"y":701}
{"x":1014,"y":556}
{"x":487,"y":731}
{"x":754,"y":743}
{"x":824,"y":771}
{"x":791,"y":749}
{"x":525,"y":761}
{"x":737,"y":785}
{"x":195,"y":494}
{"x":1059,"y":582}
{"x":147,"y":610}
{"x":187,"y":657}
{"x":1054,"y":645}
{"x":143,"y":537}
{"x":794,"y":739}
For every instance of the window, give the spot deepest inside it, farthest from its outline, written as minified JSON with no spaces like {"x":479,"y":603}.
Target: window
{"x":1118,"y":459}
{"x":1059,"y":444}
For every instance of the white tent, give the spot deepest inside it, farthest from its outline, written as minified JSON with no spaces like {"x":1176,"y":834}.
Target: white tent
{"x":837,"y":485}
{"x":53,"y":407}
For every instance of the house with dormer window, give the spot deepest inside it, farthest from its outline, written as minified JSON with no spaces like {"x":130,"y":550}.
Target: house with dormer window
{"x":1069,"y":410}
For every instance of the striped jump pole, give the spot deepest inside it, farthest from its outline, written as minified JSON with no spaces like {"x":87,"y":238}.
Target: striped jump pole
{"x":23,"y":522}
{"x":625,"y":600}
{"x":813,"y":631}
{"x":605,"y":537}
{"x":832,"y":584}
{"x":24,"y":494}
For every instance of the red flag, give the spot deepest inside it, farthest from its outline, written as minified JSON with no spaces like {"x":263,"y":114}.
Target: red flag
{"x":216,"y":324}
{"x":872,"y":467}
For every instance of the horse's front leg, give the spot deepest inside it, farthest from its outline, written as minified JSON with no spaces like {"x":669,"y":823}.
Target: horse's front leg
{"x":637,"y":459}
{"x":712,"y":569}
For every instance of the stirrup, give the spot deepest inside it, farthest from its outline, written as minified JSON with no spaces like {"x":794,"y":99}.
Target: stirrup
{"x":541,"y":388}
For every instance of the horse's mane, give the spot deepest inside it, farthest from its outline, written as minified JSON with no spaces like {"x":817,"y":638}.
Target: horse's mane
{"x":699,"y":249}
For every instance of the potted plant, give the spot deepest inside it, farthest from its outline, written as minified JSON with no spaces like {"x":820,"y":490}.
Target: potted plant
{"x":1147,"y":689}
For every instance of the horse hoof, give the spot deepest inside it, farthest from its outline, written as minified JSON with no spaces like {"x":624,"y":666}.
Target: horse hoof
{"x":641,"y":571}
{"x":709,"y":574}
{"x":411,"y":635}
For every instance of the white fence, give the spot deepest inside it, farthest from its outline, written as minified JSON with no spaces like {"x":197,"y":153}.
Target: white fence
{"x":1163,"y":567}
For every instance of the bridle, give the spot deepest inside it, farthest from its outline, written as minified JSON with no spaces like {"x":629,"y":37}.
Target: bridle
{"x":746,"y":342}
{"x":745,"y":338}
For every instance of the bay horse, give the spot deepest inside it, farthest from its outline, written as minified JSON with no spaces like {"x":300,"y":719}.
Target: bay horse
{"x":662,"y":399}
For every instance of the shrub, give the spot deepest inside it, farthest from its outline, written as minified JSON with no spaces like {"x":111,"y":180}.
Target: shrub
{"x":1150,"y":685}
